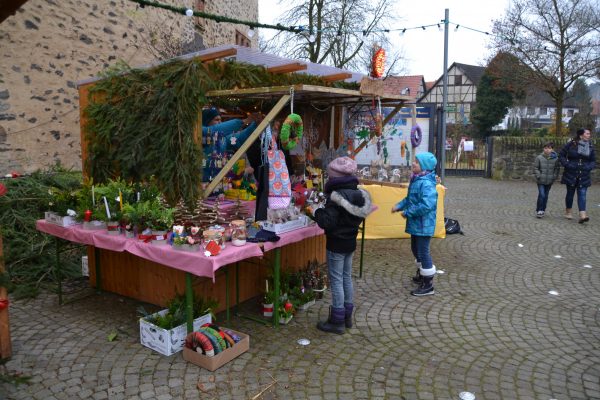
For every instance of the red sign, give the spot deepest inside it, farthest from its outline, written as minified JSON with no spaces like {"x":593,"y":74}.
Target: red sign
{"x":378,"y":63}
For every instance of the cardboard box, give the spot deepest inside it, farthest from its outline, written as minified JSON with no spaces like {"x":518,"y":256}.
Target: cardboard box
{"x":218,"y":360}
{"x":167,"y":342}
{"x":54,"y":218}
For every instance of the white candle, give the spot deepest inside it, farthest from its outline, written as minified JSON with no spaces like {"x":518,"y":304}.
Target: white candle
{"x":93,"y":197}
{"x":267,"y":282}
{"x":138,"y":197}
{"x":106,"y":205}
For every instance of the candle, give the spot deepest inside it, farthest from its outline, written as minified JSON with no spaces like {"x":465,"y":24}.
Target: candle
{"x":267,"y":282}
{"x":93,"y":197}
{"x":120,"y":201}
{"x":106,"y":205}
{"x":138,"y":197}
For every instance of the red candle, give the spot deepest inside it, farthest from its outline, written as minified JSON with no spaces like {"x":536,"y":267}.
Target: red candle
{"x":87,"y":216}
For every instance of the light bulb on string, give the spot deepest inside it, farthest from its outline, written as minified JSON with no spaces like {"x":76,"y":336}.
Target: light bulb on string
{"x":439,"y":27}
{"x":455,"y":29}
{"x":403,"y":32}
{"x":251,"y":32}
{"x":189,"y":12}
{"x":311,"y":38}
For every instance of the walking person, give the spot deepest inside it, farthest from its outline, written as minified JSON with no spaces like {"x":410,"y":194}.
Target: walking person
{"x":345,"y":209}
{"x":419,"y":208}
{"x":578,"y":159}
{"x":545,"y":168}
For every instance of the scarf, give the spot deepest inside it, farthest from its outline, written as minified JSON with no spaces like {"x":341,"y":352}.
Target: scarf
{"x":414,"y":176}
{"x":583,"y":148}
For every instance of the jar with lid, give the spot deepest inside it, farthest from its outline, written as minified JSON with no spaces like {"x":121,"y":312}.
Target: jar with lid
{"x":221,"y":230}
{"x":238,"y":232}
{"x":211,"y":235}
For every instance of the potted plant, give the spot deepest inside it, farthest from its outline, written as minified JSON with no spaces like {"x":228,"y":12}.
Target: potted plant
{"x":286,"y":313}
{"x":302,"y":298}
{"x":186,"y":243}
{"x":160,"y":220}
{"x":62,"y":206}
{"x":268,"y":301}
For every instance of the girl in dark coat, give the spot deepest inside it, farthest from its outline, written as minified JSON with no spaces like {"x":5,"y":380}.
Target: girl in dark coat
{"x":578,"y":159}
{"x":345,"y":209}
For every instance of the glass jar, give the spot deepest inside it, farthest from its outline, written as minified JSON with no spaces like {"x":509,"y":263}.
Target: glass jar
{"x":222,"y":232}
{"x":211,"y":235}
{"x":238,"y":232}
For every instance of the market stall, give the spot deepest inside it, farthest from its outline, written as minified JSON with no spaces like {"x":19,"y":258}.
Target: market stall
{"x":122,"y":141}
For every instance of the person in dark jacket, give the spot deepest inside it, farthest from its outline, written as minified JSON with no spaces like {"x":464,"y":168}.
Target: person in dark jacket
{"x":578,"y":159}
{"x":545,"y":168}
{"x":345,"y":209}
{"x":419,"y":207}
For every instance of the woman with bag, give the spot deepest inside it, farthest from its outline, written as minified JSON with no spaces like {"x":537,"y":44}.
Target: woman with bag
{"x":578,"y":159}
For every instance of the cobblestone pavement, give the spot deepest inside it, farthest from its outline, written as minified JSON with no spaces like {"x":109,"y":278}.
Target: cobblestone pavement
{"x":492,"y":328}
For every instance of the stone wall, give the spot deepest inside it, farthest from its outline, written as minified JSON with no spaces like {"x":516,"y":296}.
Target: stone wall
{"x":50,"y":45}
{"x":513,"y":157}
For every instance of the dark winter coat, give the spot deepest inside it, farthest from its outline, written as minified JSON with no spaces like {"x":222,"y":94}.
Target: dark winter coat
{"x":546,"y":169}
{"x":577,"y":167}
{"x":345,"y":209}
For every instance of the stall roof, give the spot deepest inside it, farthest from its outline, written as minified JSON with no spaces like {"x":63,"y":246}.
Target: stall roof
{"x":310,"y":93}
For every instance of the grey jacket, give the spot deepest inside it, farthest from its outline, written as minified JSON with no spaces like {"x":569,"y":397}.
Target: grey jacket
{"x":546,"y":169}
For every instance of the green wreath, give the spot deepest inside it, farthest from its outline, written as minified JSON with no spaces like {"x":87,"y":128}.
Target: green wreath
{"x":291,"y":131}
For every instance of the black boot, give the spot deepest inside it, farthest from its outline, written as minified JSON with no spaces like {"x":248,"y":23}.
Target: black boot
{"x":348,"y":307}
{"x":426,"y":287}
{"x":418,"y":279}
{"x":335,"y":322}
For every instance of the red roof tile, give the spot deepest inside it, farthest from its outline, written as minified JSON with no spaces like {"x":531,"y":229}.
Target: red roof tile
{"x":411,"y":85}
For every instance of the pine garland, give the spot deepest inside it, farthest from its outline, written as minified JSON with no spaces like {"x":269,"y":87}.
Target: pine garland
{"x":140,"y":123}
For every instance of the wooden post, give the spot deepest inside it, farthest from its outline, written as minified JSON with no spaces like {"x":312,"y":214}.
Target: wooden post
{"x":261,"y":127}
{"x":5,"y":346}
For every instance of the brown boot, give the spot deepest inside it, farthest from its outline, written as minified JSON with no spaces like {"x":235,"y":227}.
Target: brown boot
{"x":568,"y":214}
{"x":583,"y":217}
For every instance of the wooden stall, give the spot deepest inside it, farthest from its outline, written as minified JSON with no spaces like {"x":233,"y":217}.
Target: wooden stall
{"x":144,"y":280}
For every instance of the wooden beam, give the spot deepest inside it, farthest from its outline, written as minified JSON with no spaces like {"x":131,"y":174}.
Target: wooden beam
{"x":342,"y":76}
{"x":217,"y":54}
{"x":253,"y":136}
{"x":285,"y":68}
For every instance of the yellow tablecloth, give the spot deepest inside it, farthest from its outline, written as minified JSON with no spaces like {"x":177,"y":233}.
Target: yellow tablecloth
{"x":382,"y":224}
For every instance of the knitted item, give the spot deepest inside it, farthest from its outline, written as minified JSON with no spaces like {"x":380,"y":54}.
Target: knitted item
{"x":341,"y":166}
{"x":235,"y":337}
{"x":216,"y":334}
{"x":213,"y":339}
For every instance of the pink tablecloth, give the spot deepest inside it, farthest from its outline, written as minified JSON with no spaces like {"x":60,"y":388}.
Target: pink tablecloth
{"x":294,"y":236}
{"x":193,"y":262}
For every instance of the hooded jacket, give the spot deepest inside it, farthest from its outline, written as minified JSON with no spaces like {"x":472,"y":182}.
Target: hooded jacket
{"x":577,"y":167}
{"x":546,"y":168}
{"x":420,"y":206}
{"x":345,"y":209}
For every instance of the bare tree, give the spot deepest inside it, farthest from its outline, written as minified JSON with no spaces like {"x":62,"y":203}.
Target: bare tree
{"x":336,"y":32}
{"x":559,"y":40}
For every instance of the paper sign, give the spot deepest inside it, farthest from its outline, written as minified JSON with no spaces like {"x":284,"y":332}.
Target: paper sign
{"x":468,"y":145}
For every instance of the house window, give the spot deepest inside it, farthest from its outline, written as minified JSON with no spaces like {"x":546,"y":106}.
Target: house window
{"x":530,"y":110}
{"x":457,"y":80}
{"x":544,"y":111}
{"x":241,"y":39}
{"x":570,"y":113}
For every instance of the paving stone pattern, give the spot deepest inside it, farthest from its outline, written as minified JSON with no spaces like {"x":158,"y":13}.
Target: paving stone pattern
{"x":491,"y":329}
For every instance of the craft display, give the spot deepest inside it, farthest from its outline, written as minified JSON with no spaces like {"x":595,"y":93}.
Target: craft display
{"x":213,"y":346}
{"x":378,"y":63}
{"x":280,"y":187}
{"x":238,"y":232}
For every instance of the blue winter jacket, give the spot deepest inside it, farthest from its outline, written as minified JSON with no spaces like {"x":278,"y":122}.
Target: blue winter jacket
{"x":420,"y":206}
{"x":577,"y":168}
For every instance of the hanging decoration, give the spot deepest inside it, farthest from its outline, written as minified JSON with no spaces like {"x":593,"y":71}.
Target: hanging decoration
{"x":378,"y":63}
{"x":291,"y":131}
{"x":416,"y":135}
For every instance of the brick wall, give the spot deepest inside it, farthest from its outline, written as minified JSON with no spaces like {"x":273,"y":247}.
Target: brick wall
{"x":513,"y":157}
{"x":50,"y":45}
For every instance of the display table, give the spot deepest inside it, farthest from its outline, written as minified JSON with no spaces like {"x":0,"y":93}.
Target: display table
{"x":382,"y":224}
{"x":124,"y":255}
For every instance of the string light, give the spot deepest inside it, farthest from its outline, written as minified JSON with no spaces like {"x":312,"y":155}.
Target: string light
{"x":294,"y":29}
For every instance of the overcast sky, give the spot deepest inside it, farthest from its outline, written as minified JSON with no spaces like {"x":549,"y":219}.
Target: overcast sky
{"x":424,"y":50}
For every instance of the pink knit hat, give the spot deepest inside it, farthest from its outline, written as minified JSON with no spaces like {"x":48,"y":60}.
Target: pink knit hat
{"x":341,"y":166}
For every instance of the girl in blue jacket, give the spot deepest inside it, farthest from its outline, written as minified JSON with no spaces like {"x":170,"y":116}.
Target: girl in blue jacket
{"x":419,"y":208}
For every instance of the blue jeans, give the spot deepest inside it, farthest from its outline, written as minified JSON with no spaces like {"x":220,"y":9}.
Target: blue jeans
{"x":542,"y":200}
{"x":420,"y":249}
{"x":339,"y":270}
{"x":581,"y":192}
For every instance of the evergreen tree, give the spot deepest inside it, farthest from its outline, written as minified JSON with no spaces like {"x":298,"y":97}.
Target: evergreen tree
{"x":583,"y":100}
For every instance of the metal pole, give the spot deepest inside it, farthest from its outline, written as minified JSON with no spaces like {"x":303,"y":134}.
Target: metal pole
{"x":57,"y":271}
{"x":444,"y":96}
